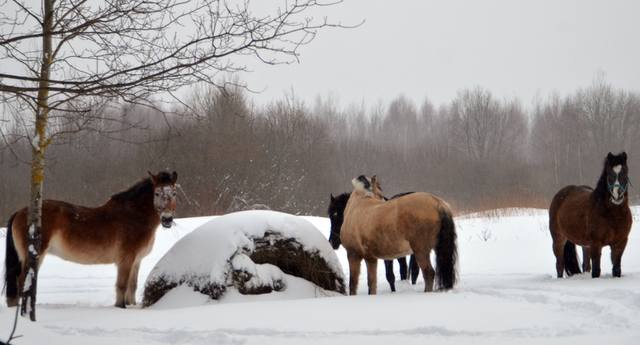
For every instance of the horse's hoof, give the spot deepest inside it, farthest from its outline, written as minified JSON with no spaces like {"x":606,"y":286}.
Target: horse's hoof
{"x":120,"y":305}
{"x":12,"y":302}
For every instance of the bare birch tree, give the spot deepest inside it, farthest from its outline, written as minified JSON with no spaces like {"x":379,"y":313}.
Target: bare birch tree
{"x":62,"y":57}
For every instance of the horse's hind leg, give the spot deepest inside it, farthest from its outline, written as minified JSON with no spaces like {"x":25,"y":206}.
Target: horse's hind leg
{"x":558,"y":251}
{"x":402,"y":262}
{"x":124,"y":270}
{"x":391,"y":278}
{"x":596,"y":251}
{"x":428,"y":273}
{"x":372,"y":275}
{"x":130,"y":297}
{"x":413,"y":269}
{"x":354,"y":272}
{"x":586,"y":259}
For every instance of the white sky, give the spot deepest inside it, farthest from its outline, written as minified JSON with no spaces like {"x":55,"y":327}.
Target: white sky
{"x":430,"y":48}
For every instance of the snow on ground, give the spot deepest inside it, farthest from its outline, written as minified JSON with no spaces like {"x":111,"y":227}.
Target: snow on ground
{"x":507,"y":294}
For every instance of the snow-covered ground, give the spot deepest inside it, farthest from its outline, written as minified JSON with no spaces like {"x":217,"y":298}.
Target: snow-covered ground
{"x":507,"y":294}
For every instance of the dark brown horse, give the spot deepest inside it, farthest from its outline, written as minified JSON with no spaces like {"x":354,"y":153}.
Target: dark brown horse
{"x":592,"y":219}
{"x":412,"y":224}
{"x":122,"y":231}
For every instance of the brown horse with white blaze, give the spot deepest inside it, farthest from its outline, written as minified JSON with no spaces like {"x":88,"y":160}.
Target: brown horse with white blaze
{"x":121,"y":231}
{"x":412,"y":224}
{"x":592,"y":218}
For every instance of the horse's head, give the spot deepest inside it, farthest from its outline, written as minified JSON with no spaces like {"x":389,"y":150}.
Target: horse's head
{"x":362,"y":184}
{"x":164,"y":196}
{"x":616,"y":170}
{"x":336,"y":215}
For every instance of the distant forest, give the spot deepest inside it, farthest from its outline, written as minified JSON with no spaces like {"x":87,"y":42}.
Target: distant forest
{"x":476,"y":151}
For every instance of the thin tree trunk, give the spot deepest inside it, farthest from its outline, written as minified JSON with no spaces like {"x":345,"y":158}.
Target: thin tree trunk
{"x":39,"y":144}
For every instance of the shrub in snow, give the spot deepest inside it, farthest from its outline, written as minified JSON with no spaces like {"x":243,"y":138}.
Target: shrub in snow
{"x":252,"y":251}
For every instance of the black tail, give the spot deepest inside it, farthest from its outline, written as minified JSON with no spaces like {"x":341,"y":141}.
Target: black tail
{"x":11,"y":265}
{"x":571,"y":264}
{"x":446,"y":252}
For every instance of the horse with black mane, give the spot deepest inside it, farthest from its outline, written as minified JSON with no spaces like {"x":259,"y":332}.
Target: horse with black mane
{"x":592,"y":218}
{"x":412,"y":224}
{"x":121,"y":231}
{"x":337,"y":205}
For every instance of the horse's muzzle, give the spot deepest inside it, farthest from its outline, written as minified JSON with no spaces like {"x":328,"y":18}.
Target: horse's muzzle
{"x":335,"y":244}
{"x":166,"y":222}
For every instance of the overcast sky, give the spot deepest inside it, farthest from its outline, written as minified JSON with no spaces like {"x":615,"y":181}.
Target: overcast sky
{"x":425,"y":48}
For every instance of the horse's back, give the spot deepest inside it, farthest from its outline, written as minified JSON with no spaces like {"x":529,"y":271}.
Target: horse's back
{"x":422,"y":204}
{"x":568,"y":210}
{"x":414,"y":214}
{"x":72,"y":232}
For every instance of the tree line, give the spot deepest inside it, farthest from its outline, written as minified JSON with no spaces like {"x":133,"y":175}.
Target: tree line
{"x":476,"y":151}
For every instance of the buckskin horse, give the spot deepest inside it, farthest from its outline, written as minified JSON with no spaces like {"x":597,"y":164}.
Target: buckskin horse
{"x":337,"y":205}
{"x":412,"y":224}
{"x":592,"y":218}
{"x":121,"y":231}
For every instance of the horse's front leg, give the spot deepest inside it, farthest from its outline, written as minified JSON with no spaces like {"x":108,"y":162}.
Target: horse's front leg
{"x":130,"y":296}
{"x":595,"y":250}
{"x":391,"y":278}
{"x":372,"y":275}
{"x":617,"y":249}
{"x":354,"y":272}
{"x":124,"y":270}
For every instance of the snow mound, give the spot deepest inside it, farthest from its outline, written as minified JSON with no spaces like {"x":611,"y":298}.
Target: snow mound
{"x":253,"y":252}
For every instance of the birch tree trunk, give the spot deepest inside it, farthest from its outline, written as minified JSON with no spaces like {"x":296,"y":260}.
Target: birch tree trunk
{"x":39,"y":145}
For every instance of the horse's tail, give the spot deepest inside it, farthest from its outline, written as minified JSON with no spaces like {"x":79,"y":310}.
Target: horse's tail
{"x":12,"y":266}
{"x":571,"y":264}
{"x":446,"y":252}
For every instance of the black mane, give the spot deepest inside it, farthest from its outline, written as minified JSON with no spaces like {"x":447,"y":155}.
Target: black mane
{"x":144,"y":186}
{"x":340,"y":202}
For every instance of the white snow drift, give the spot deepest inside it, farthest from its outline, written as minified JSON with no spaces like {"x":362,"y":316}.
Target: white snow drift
{"x":207,"y":258}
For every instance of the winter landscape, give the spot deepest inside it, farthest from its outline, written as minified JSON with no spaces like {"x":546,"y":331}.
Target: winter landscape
{"x":507,"y":294}
{"x":217,"y":171}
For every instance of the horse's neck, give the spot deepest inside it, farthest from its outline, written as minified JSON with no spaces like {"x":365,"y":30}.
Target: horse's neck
{"x":602,"y":202}
{"x":142,"y":204}
{"x":360,"y":200}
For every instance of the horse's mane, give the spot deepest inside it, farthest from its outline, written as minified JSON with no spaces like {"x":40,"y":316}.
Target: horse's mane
{"x":144,"y":186}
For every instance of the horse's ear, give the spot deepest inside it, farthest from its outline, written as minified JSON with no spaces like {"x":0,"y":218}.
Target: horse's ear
{"x":174,"y":177}
{"x":332,"y":197}
{"x":609,"y":156}
{"x":624,"y":156}
{"x":153,"y":177}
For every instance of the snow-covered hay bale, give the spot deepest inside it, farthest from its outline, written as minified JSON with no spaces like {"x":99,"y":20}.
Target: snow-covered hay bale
{"x":251,"y":251}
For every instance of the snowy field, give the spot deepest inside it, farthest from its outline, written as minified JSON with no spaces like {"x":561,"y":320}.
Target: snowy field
{"x":507,"y":294}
